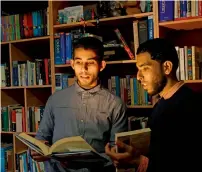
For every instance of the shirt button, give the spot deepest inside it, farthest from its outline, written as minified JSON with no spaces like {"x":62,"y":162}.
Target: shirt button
{"x":82,"y":120}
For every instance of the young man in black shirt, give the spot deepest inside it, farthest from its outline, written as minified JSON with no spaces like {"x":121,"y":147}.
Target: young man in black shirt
{"x":175,"y":122}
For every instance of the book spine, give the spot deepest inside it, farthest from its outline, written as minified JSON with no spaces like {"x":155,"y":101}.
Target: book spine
{"x":150,"y":28}
{"x":62,"y":47}
{"x":127,"y":49}
{"x":57,"y":53}
{"x":166,"y":10}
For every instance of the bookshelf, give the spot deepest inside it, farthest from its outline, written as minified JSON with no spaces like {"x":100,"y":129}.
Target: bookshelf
{"x":43,"y":47}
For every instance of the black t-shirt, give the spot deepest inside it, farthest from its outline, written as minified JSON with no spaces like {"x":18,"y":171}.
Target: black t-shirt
{"x":176,"y":133}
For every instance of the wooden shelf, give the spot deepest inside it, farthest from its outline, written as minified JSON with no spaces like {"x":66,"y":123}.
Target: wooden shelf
{"x":184,"y":24}
{"x":103,"y":20}
{"x":22,"y":87}
{"x":27,"y":40}
{"x":139,"y":106}
{"x":121,"y":61}
{"x":11,"y":132}
{"x":108,"y":62}
{"x":193,"y":81}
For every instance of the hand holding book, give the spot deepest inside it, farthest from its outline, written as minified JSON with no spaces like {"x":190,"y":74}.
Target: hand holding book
{"x":125,"y":157}
{"x":129,"y":148}
{"x":37,"y":156}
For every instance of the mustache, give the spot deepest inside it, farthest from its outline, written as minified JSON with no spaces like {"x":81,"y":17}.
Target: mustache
{"x":84,"y":73}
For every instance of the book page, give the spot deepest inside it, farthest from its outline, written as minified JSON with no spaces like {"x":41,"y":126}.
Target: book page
{"x":70,"y":144}
{"x":44,"y":148}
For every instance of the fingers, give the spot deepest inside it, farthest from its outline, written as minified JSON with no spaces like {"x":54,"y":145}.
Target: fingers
{"x":33,"y":153}
{"x":38,"y":157}
{"x":107,"y":148}
{"x":123,"y":146}
{"x":111,"y":152}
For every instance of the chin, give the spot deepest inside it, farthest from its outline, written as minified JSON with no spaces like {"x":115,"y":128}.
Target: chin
{"x":151,"y":92}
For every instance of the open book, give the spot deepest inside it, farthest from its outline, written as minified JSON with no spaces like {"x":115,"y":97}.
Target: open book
{"x":74,"y":148}
{"x":139,"y":139}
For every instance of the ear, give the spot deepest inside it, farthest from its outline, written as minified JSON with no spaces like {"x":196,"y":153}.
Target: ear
{"x":167,"y":66}
{"x":102,"y":65}
{"x":72,"y":64}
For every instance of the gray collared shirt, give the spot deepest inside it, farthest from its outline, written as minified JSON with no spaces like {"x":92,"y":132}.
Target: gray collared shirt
{"x":94,"y":114}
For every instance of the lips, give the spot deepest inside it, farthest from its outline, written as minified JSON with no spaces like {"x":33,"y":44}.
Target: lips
{"x":85,"y":77}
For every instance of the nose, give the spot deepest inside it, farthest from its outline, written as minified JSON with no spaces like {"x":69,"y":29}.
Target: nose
{"x":139,"y":75}
{"x":84,"y":67}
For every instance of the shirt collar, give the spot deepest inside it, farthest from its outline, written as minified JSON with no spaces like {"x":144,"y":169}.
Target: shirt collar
{"x":79,"y":89}
{"x":168,"y":94}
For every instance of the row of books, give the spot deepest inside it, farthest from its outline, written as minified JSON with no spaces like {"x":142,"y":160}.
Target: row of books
{"x":15,"y":119}
{"x":63,"y":42}
{"x":143,"y":30}
{"x":31,"y":73}
{"x":25,"y":163}
{"x":190,"y":63}
{"x":63,"y":80}
{"x":176,"y":10}
{"x":136,"y":123}
{"x":129,"y":89}
{"x":20,"y":26}
{"x":6,"y":157}
{"x":99,"y":10}
{"x":34,"y":116}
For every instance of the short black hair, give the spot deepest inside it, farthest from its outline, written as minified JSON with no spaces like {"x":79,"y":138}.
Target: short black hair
{"x":91,"y":43}
{"x":160,"y":50}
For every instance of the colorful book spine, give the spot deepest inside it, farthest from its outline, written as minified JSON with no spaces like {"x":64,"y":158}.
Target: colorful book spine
{"x":127,"y":49}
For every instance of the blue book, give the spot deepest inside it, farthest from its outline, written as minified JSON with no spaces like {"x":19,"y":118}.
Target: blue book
{"x":3,"y":149}
{"x":68,"y":46}
{"x":57,"y":53}
{"x":150,"y":27}
{"x":117,"y":80}
{"x":135,"y":91}
{"x":64,"y":81}
{"x":62,"y":47}
{"x":166,"y":10}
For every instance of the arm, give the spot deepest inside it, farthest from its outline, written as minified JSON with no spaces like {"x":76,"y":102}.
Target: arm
{"x":45,"y":131}
{"x":119,"y":119}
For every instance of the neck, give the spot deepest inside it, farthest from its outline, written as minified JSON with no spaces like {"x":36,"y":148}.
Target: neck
{"x":88,"y":87}
{"x":170,"y":83}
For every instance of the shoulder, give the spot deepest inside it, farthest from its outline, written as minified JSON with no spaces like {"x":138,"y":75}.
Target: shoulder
{"x":189,"y":98}
{"x":187,"y":92}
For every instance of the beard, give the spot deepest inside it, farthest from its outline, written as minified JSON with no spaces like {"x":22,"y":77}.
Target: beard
{"x":159,"y":86}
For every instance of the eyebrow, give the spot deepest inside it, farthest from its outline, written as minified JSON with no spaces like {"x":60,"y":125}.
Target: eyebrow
{"x":92,"y":58}
{"x":144,"y":64}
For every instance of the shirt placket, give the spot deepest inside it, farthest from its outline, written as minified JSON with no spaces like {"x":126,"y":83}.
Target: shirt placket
{"x":82,"y":120}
